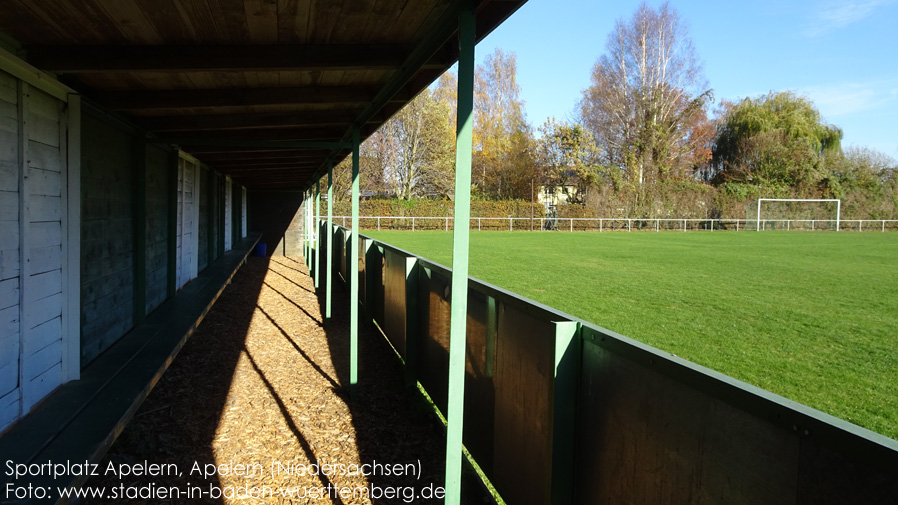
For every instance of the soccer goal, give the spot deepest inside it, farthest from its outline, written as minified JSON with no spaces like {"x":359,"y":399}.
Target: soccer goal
{"x":795,"y":214}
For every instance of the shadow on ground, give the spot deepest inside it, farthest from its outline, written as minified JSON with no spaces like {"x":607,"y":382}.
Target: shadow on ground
{"x":182,"y":420}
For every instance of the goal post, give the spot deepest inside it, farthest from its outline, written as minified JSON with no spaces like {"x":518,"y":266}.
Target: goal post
{"x":838,"y":205}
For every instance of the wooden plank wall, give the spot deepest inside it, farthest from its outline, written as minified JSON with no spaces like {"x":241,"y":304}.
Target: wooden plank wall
{"x":244,"y":212}
{"x":188,"y":220}
{"x":157,"y":225}
{"x":9,"y":250}
{"x":107,"y":246}
{"x":228,"y":215}
{"x":205,"y":228}
{"x":33,"y":248}
{"x":41,"y":215}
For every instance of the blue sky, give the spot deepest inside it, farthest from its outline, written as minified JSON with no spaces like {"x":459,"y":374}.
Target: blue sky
{"x":843,"y":55}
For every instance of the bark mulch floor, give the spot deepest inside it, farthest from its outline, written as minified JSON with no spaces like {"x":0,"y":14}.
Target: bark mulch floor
{"x":260,"y":394}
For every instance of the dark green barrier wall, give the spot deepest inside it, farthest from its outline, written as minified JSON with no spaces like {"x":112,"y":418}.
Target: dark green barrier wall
{"x":561,"y":411}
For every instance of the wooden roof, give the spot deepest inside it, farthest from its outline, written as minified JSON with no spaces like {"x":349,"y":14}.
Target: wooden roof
{"x":267,"y":91}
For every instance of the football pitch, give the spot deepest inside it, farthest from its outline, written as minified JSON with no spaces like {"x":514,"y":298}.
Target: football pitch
{"x":810,"y":316}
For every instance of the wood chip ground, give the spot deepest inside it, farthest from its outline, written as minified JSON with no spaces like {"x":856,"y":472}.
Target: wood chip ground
{"x":263,"y":383}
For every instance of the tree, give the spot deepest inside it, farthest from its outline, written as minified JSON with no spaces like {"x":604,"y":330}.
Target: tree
{"x":567,"y":156}
{"x":864,"y":179}
{"x":646,"y":105}
{"x":503,"y":165}
{"x":413,"y":150}
{"x":778,"y":140}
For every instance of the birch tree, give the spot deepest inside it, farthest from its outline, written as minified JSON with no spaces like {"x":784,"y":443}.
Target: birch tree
{"x":646,"y":95}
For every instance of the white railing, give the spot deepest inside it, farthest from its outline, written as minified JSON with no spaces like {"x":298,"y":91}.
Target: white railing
{"x":602,"y":224}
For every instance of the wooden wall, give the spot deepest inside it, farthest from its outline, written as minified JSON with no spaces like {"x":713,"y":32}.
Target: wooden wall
{"x":34,"y":246}
{"x":188,"y":220}
{"x":9,"y":249}
{"x":277,"y":215}
{"x":119,"y":168}
{"x":228,"y":214}
{"x":157,"y":182}
{"x":90,"y":218}
{"x":204,"y":216}
{"x":107,"y":234}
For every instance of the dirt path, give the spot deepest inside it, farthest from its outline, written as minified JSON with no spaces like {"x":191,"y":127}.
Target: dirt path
{"x":260,"y":391}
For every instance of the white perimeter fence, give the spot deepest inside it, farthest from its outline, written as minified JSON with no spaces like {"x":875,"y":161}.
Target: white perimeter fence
{"x":620,"y":224}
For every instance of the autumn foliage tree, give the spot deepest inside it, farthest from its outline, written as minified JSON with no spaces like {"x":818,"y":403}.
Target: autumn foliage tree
{"x":503,"y":165}
{"x":568,"y":158}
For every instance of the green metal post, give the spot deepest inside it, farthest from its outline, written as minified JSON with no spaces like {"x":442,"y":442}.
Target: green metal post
{"x":460,"y":248}
{"x":308,"y":228}
{"x":330,"y":240}
{"x":315,"y":230}
{"x":564,"y":412}
{"x":305,"y":226}
{"x":353,"y":272}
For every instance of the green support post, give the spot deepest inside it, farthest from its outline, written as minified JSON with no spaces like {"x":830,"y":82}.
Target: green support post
{"x":353,"y":272}
{"x":460,"y":249}
{"x":564,"y":411}
{"x":411,"y":323}
{"x":330,"y":240}
{"x":308,"y":229}
{"x":305,"y":227}
{"x":316,"y":230}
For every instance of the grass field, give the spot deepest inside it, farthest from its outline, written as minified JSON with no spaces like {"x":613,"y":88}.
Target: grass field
{"x":809,"y":316}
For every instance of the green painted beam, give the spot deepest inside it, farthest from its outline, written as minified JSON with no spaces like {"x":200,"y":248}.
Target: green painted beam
{"x":307,"y":228}
{"x":316,"y":230}
{"x":353,"y":272}
{"x":330,"y":240}
{"x":460,"y":249}
{"x":564,"y":410}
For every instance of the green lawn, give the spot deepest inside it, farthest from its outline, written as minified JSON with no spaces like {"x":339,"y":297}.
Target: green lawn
{"x":810,"y":316}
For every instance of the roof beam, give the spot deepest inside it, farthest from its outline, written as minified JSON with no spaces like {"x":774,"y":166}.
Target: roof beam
{"x":193,"y":58}
{"x":275,"y":156}
{"x":293,"y":137}
{"x":247,"y":121}
{"x":263,"y":165}
{"x":244,"y":97}
{"x":265,"y":143}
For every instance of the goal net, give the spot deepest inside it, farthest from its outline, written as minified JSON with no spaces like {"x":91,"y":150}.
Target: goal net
{"x":793,"y":214}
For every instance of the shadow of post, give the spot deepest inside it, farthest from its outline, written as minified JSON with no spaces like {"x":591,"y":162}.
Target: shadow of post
{"x":177,"y":422}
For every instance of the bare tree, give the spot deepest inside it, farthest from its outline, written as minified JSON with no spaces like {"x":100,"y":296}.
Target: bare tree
{"x":503,"y":141}
{"x":646,"y":94}
{"x":414,"y":148}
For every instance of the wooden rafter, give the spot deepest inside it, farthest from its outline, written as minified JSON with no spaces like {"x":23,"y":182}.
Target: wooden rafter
{"x":191,"y":58}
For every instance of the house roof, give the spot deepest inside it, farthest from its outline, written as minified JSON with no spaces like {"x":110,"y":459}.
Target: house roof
{"x":266,"y":91}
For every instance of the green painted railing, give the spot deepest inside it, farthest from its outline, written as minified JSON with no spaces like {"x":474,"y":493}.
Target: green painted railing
{"x":559,"y":410}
